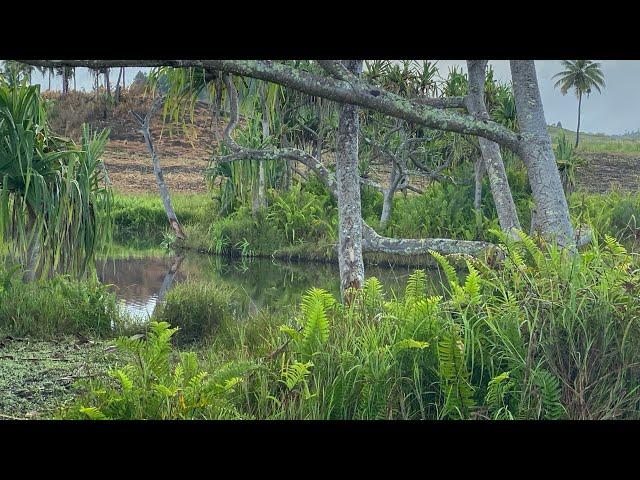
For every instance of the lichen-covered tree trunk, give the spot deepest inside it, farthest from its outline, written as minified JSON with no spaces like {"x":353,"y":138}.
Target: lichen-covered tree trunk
{"x":479,"y":174}
{"x":491,"y":156}
{"x":372,"y":242}
{"x":348,"y":189}
{"x":552,"y":212}
{"x":387,"y":207}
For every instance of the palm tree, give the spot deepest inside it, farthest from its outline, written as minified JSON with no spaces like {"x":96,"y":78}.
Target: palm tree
{"x":582,"y":76}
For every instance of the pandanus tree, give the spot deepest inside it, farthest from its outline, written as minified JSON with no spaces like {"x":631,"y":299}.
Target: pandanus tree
{"x":581,"y":76}
{"x":338,"y":83}
{"x":54,"y":204}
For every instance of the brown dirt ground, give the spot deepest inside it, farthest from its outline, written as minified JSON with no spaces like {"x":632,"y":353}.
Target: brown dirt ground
{"x":603,"y":172}
{"x":184,"y":151}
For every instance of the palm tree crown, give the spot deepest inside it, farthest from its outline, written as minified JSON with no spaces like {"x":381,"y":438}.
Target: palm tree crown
{"x":582,"y":76}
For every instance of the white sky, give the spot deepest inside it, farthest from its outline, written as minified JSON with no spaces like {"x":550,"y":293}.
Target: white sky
{"x":615,"y":111}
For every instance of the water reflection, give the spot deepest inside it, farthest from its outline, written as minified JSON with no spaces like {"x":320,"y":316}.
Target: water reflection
{"x":141,"y":283}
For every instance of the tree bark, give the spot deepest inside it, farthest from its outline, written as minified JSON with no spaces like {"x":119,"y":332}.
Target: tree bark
{"x":262,"y":198}
{"x":358,"y":93}
{"x":578,"y":128}
{"x":479,"y":174}
{"x":372,"y":242}
{"x":157,"y":170}
{"x":491,"y":156}
{"x":350,"y":259}
{"x":33,"y":250}
{"x":552,"y":211}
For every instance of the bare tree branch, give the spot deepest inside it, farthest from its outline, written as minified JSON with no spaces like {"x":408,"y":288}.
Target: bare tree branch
{"x":157,"y":170}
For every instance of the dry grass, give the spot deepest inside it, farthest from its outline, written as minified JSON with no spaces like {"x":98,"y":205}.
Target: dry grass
{"x":184,"y":148}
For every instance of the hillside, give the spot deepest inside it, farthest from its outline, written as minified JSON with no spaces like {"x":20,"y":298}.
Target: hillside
{"x":611,"y":162}
{"x":184,"y":151}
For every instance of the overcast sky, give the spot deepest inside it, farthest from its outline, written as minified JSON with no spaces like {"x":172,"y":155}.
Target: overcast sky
{"x":615,"y":111}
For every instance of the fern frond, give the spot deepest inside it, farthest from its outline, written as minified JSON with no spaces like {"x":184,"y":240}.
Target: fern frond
{"x":416,"y":285}
{"x":448,"y":269}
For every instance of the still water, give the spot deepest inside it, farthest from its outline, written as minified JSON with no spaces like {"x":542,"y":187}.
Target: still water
{"x":141,"y":283}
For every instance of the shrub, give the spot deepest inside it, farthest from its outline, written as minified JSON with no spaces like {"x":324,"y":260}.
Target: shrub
{"x":58,"y":306}
{"x":198,"y":309}
{"x":152,"y":386}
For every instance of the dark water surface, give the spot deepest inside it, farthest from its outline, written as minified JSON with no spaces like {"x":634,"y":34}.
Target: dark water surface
{"x":141,"y":283}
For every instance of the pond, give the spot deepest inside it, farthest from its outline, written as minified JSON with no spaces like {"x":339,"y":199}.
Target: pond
{"x":141,"y":283}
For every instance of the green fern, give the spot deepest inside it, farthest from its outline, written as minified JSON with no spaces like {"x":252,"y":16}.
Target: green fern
{"x":448,"y":269}
{"x":416,"y":286}
{"x":373,"y":293}
{"x":315,"y":327}
{"x":550,"y":394}
{"x":534,"y":250}
{"x":614,"y":246}
{"x":497,"y":390}
{"x":295,"y":374}
{"x":472,"y":283}
{"x":454,"y":376}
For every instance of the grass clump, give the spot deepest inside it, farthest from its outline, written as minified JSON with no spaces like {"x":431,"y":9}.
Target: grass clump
{"x":57,"y":307}
{"x":198,"y":309}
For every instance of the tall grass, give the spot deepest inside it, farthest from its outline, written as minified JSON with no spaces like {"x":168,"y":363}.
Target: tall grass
{"x":543,"y":336}
{"x":60,"y":306}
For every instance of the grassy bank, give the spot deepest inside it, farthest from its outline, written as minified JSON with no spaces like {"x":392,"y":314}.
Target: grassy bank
{"x":537,"y":338}
{"x":301,"y":225}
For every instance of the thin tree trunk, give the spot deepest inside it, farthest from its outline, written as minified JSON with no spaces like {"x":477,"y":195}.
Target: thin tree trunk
{"x":262,"y":198}
{"x":479,"y":174}
{"x":491,"y":156}
{"x":117,"y":95}
{"x":107,"y":83}
{"x":387,"y":207}
{"x":348,"y":188}
{"x":551,"y":209}
{"x":578,"y":128}
{"x":33,"y":251}
{"x":157,"y":170}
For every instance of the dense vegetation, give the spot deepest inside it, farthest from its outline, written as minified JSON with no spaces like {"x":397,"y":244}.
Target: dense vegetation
{"x":528,"y":328}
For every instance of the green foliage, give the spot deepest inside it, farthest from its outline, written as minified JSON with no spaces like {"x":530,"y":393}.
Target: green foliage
{"x":152,"y":386}
{"x":54,"y":203}
{"x":615,"y":214}
{"x":49,"y":308}
{"x":301,"y":215}
{"x":143,"y":216}
{"x":198,"y":309}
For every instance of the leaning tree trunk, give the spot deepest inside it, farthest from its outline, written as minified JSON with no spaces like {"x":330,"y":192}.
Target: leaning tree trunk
{"x":578,"y":127}
{"x":552,"y":212}
{"x":348,"y":189}
{"x":157,"y":170}
{"x":262,"y":198}
{"x":491,"y":156}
